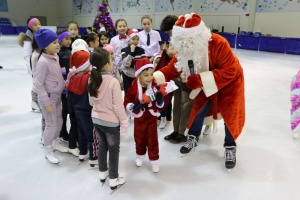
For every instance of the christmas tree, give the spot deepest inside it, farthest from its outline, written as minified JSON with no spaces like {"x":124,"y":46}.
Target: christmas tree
{"x":104,"y":18}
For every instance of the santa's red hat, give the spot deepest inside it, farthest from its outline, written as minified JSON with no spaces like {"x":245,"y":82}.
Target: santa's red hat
{"x":189,"y":25}
{"x":142,"y":64}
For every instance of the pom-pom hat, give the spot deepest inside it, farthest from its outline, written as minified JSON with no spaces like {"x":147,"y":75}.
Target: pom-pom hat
{"x":141,"y":64}
{"x":189,"y":25}
{"x":132,"y":32}
{"x":44,"y":37}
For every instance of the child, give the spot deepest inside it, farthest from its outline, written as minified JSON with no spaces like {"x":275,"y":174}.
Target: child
{"x":119,"y":41}
{"x":115,"y":71}
{"x":102,"y":27}
{"x":49,"y":84}
{"x":129,"y":54}
{"x":73,"y":28}
{"x":92,"y":39}
{"x":33,"y":60}
{"x":145,"y":121}
{"x":295,"y":101}
{"x":64,"y":39}
{"x":25,"y":40}
{"x":104,"y":38}
{"x":78,"y":101}
{"x":108,"y":115}
{"x":149,"y":38}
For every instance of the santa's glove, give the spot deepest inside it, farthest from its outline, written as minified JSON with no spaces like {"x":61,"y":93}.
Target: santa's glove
{"x":194,"y":82}
{"x":123,"y":127}
{"x":159,"y":98}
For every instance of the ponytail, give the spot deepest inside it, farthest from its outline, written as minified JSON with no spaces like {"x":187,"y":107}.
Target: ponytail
{"x":98,"y":59}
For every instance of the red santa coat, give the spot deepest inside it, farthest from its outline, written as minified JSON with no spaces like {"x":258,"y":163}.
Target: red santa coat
{"x":223,"y":84}
{"x":145,"y":122}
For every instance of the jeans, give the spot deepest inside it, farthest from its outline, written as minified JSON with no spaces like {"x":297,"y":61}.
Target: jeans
{"x":109,"y":140}
{"x":197,"y":125}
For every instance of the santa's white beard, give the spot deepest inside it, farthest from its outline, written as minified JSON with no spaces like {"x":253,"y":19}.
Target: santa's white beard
{"x":193,"y":48}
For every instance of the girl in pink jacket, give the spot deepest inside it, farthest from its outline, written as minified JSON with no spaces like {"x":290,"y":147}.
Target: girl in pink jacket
{"x":108,"y":115}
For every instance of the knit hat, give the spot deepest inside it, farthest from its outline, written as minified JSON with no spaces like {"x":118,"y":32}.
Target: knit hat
{"x":141,"y":64}
{"x":44,"y":37}
{"x":132,"y":32}
{"x":109,"y":48}
{"x":63,"y":35}
{"x":79,"y":44}
{"x":189,"y":25}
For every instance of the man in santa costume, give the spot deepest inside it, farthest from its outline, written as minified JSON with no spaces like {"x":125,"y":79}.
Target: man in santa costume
{"x":217,"y":81}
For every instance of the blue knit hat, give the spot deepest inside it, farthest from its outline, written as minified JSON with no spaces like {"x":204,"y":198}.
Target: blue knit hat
{"x":44,"y":37}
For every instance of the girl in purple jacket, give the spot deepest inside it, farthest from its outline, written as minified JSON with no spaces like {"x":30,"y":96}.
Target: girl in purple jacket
{"x":49,"y":84}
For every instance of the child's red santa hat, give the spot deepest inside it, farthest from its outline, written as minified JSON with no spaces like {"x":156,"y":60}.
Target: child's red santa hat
{"x":132,"y":32}
{"x":80,"y":58}
{"x":189,"y":25}
{"x":142,"y":64}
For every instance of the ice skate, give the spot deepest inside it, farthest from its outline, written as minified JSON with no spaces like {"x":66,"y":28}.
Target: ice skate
{"x":155,"y":168}
{"x":116,"y":183}
{"x":207,"y":130}
{"x":93,"y":162}
{"x":49,"y":155}
{"x":190,"y":144}
{"x":74,"y":151}
{"x":103,"y":176}
{"x":163,"y":123}
{"x":57,"y":145}
{"x":138,"y":162}
{"x":230,"y":157}
{"x":35,"y":106}
{"x":82,"y":158}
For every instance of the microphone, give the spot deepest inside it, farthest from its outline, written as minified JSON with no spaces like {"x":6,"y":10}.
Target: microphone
{"x":191,"y":67}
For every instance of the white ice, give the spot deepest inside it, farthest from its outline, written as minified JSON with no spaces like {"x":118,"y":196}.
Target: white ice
{"x":268,"y":158}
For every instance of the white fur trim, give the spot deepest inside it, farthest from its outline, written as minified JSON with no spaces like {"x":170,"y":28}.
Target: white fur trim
{"x":209,"y":83}
{"x":140,"y":90}
{"x":140,"y":156}
{"x":129,"y":106}
{"x":159,"y":77}
{"x":137,"y":72}
{"x":154,"y":113}
{"x":160,"y":106}
{"x":83,"y":67}
{"x":180,"y":32}
{"x":137,"y":115}
{"x":79,"y":44}
{"x":154,"y":162}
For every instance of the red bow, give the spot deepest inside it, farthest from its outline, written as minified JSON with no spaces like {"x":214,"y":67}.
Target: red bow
{"x":122,"y":37}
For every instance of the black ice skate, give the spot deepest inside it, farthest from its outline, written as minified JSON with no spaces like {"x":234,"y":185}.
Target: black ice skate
{"x":189,"y":145}
{"x":230,"y":157}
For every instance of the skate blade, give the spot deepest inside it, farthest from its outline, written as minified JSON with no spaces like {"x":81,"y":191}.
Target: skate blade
{"x":116,"y":188}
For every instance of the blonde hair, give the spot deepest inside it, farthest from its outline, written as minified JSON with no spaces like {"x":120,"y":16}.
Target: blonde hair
{"x":146,"y":17}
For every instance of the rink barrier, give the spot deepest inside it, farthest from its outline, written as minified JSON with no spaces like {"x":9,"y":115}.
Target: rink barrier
{"x":243,"y":40}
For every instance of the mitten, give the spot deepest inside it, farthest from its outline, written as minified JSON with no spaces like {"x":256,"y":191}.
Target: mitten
{"x":162,"y":89}
{"x":194,"y":82}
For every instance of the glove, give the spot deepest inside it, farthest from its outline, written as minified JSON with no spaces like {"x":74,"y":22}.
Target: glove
{"x":194,"y":82}
{"x":159,"y":98}
{"x":162,"y":89}
{"x":123,"y":127}
{"x":137,"y":106}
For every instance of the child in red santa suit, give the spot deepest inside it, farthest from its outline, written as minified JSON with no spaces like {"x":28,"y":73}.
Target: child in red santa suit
{"x":144,"y":113}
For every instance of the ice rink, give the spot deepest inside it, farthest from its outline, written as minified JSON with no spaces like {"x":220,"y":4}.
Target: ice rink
{"x":268,"y":158}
